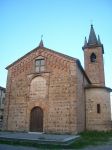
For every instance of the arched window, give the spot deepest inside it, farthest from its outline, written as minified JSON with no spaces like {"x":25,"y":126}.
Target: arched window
{"x":40,"y":64}
{"x":93,"y":57}
{"x":38,"y":88}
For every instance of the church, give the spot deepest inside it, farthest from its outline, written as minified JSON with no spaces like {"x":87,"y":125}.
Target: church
{"x":50,"y":92}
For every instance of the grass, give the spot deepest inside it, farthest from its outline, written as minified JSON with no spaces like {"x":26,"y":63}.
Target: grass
{"x":87,"y":138}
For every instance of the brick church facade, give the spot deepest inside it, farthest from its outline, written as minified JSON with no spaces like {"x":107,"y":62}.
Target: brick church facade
{"x":50,"y":92}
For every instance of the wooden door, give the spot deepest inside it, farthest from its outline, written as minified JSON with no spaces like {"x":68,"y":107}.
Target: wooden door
{"x":36,"y":120}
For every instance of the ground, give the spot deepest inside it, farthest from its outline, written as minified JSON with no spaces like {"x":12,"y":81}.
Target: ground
{"x":12,"y":147}
{"x":89,"y":140}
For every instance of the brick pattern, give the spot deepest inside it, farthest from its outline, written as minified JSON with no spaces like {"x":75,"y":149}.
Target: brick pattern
{"x":55,"y":93}
{"x":81,"y":108}
{"x":38,"y":88}
{"x":94,"y":96}
{"x":59,"y":91}
{"x":25,"y":64}
{"x":94,"y":70}
{"x":94,"y":120}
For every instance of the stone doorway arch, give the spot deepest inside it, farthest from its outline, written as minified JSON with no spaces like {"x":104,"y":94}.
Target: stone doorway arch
{"x":36,"y":120}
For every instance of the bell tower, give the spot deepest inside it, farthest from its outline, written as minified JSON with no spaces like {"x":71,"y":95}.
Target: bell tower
{"x":93,"y":59}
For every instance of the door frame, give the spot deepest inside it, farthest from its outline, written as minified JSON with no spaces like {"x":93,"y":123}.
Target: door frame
{"x":42,"y":119}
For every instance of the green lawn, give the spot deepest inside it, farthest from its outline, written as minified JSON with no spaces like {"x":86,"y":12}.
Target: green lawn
{"x":86,"y":139}
{"x":92,"y":138}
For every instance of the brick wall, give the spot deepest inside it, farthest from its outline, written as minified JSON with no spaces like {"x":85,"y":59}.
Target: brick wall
{"x":94,"y":70}
{"x":94,"y":120}
{"x":56,"y":95}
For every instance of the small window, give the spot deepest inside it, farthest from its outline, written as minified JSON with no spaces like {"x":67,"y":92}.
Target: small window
{"x":93,"y":57}
{"x":1,"y":117}
{"x":3,"y":100}
{"x":40,"y":65}
{"x":98,"y":109}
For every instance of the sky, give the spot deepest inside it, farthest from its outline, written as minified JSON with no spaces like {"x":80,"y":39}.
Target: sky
{"x":63,"y":24}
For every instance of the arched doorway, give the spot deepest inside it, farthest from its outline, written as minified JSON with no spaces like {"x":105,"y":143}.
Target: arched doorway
{"x":36,"y":120}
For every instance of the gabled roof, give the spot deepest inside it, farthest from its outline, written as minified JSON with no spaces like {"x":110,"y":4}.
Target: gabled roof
{"x":36,"y":49}
{"x":53,"y":51}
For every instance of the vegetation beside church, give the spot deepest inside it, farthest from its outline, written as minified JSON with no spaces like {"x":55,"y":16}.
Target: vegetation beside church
{"x":87,"y":138}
